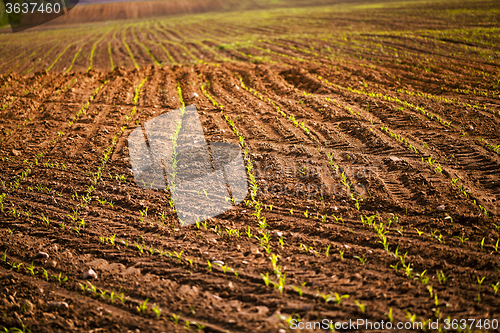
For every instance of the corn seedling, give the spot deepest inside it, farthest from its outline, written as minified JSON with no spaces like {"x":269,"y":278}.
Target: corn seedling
{"x":2,"y":198}
{"x":361,"y":259}
{"x":15,"y":265}
{"x":338,"y":218}
{"x":209,"y":265}
{"x":31,"y":269}
{"x":140,"y":248}
{"x":496,"y":287}
{"x":156,"y":309}
{"x":45,"y":274}
{"x":360,"y":305}
{"x":175,"y":318}
{"x":442,"y":277}
{"x":281,"y":283}
{"x":266,"y":278}
{"x":479,"y":283}
{"x":45,"y":219}
{"x":423,"y":278}
{"x":481,"y":243}
{"x":341,"y":252}
{"x":337,"y":299}
{"x":143,"y":306}
{"x":60,"y":278}
{"x":299,"y":289}
{"x":462,"y":238}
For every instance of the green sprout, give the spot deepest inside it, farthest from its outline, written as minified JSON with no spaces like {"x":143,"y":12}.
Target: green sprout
{"x":143,"y":306}
{"x":60,"y":278}
{"x":156,"y":309}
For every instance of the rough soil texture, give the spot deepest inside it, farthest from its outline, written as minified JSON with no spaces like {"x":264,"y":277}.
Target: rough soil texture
{"x":375,"y":155}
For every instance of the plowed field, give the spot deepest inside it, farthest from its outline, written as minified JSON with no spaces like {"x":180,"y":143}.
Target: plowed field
{"x":371,"y":140}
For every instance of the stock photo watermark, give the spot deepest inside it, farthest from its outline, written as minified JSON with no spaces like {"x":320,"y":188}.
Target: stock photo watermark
{"x":169,"y":152}
{"x":26,"y":14}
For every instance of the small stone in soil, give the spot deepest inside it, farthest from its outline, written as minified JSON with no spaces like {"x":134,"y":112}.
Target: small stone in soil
{"x":58,"y":305}
{"x":90,"y":274}
{"x":441,"y":208}
{"x":42,"y":255}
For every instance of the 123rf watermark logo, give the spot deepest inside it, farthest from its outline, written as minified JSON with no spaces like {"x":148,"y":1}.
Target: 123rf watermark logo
{"x":26,"y":14}
{"x":170,"y":152}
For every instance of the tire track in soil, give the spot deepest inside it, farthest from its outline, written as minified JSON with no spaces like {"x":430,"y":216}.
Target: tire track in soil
{"x":343,"y":93}
{"x":392,"y":184}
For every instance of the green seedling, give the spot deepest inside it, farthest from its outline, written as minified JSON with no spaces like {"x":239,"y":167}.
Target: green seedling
{"x":496,"y":287}
{"x":144,"y":214}
{"x":281,"y":283}
{"x":479,"y":283}
{"x":226,"y":268}
{"x":281,"y":241}
{"x":103,"y":293}
{"x":140,"y":248}
{"x":327,"y":250}
{"x":266,"y":278}
{"x":156,"y":309}
{"x":463,"y":239}
{"x":209,"y":265}
{"x":338,"y":218}
{"x":178,"y":255}
{"x":60,"y":278}
{"x":31,"y":269}
{"x":15,"y":265}
{"x":442,"y":277}
{"x":338,"y":298}
{"x":299,"y":289}
{"x":341,"y":252}
{"x":112,"y":297}
{"x":361,"y":259}
{"x":45,"y":219}
{"x":45,"y":274}
{"x":83,"y":287}
{"x":199,"y":326}
{"x":92,"y":287}
{"x":360,"y":305}
{"x":423,"y":279}
{"x":143,"y":306}
{"x":389,"y":315}
{"x":175,"y":318}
